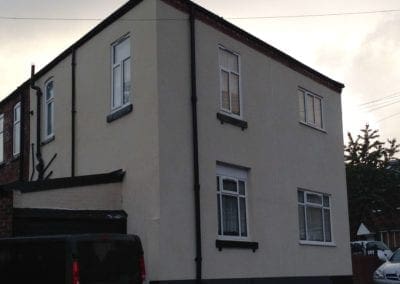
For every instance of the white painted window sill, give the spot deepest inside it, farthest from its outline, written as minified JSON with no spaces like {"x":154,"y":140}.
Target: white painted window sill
{"x":321,"y":244}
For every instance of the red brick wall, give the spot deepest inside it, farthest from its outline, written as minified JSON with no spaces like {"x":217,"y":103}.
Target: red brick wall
{"x":10,"y":169}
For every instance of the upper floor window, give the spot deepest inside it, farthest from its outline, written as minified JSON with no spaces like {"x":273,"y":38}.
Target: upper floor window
{"x":49,"y":110}
{"x":1,"y":138}
{"x":17,"y":129}
{"x":314,"y":217}
{"x":230,"y":96}
{"x":232,"y":204}
{"x":121,"y":73}
{"x":310,"y":109}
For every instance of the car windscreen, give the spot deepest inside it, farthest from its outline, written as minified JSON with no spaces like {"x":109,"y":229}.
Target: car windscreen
{"x":376,"y":246}
{"x":395,"y":257}
{"x":32,"y":262}
{"x":109,"y":262}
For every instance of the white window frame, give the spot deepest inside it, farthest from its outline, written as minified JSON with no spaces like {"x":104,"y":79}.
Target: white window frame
{"x":234,"y":174}
{"x":120,"y":64}
{"x":321,"y":206}
{"x":307,"y":120}
{"x":16,"y":122}
{"x":2,"y":135}
{"x":47,"y":135}
{"x":227,"y":70}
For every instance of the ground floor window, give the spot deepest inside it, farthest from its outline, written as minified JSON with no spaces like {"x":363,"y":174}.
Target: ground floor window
{"x":314,"y":216}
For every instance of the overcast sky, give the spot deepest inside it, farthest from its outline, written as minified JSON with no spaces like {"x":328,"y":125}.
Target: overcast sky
{"x":362,"y":51}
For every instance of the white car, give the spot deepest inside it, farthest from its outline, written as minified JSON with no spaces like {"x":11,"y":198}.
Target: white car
{"x":374,"y":247}
{"x":389,"y":272}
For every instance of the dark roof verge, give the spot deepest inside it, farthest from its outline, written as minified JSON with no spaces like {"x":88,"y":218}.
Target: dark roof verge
{"x":65,"y":182}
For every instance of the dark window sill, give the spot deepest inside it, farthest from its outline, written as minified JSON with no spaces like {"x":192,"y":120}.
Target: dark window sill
{"x":48,"y":140}
{"x":119,"y":113}
{"x":15,"y":158}
{"x":220,"y":244}
{"x":223,"y":118}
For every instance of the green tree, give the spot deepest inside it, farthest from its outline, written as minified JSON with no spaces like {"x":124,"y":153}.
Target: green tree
{"x":372,"y":185}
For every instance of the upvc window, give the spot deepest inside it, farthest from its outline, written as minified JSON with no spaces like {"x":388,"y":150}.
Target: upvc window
{"x":314,"y":217}
{"x":232,"y":203}
{"x":310,"y":109}
{"x":1,"y":138}
{"x":49,"y":109}
{"x":230,"y":96}
{"x":17,"y":129}
{"x":121,"y":73}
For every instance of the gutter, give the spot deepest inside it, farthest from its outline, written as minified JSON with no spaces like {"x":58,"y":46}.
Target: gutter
{"x":40,"y":165}
{"x":196,"y":174}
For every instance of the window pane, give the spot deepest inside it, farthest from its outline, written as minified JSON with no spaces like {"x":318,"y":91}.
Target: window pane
{"x":318,"y":112}
{"x":314,"y":198}
{"x":49,"y":90}
{"x":121,"y":51}
{"x":242,"y":187}
{"x":233,"y":62}
{"x":219,"y":214}
{"x":327,"y":221}
{"x":17,"y":113}
{"x":16,"y":141}
{"x":225,"y":101}
{"x":229,"y":185}
{"x":230,"y":215}
{"x":326,"y":201}
{"x":1,"y":123}
{"x":223,"y":58}
{"x":50,"y":107}
{"x":127,"y":80}
{"x":1,"y":147}
{"x":243,"y":221}
{"x":302,"y":223}
{"x":314,"y":224}
{"x":301,"y":106}
{"x":217,"y":183}
{"x":117,"y":99}
{"x":300,"y":196}
{"x":235,"y":98}
{"x":310,"y":109}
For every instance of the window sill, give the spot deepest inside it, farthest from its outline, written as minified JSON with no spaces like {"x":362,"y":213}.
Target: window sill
{"x":119,"y":113}
{"x":313,"y":127}
{"x":223,"y":118}
{"x":313,"y":243}
{"x":15,"y":157}
{"x":48,"y":140}
{"x":220,"y":244}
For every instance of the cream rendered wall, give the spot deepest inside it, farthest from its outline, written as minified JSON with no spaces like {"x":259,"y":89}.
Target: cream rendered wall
{"x":282,"y":155}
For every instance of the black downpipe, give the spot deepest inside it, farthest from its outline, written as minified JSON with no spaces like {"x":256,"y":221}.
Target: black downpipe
{"x":198,"y":258}
{"x":73,"y":111}
{"x":40,"y":165}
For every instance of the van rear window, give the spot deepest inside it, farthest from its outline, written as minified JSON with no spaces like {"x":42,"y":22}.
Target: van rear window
{"x":108,"y":262}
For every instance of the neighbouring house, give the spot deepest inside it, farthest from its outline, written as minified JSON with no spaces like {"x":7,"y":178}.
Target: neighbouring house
{"x":221,"y":152}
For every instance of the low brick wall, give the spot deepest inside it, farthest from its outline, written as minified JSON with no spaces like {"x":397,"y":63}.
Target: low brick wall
{"x":364,"y":267}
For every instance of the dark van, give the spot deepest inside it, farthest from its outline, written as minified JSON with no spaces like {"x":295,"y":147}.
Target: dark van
{"x":72,"y":259}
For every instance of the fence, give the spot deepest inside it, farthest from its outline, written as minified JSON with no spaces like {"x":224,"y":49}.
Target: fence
{"x":364,"y":267}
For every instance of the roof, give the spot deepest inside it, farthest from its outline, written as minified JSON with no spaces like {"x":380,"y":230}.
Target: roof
{"x":212,"y":19}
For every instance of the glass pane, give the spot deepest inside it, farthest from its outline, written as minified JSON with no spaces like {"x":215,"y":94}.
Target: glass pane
{"x":314,"y":224}
{"x":217,"y":183}
{"x":230,"y":215}
{"x":310,"y":109}
{"x":225,"y":101}
{"x":121,"y":51}
{"x":314,"y":198}
{"x":318,"y":112}
{"x":16,"y":141}
{"x":301,"y":106}
{"x":235,"y":98}
{"x":223,"y":58}
{"x":300,"y":196}
{"x":326,"y":201}
{"x":49,"y":90}
{"x":1,"y":123}
{"x":233,"y":64}
{"x":229,"y":185}
{"x":302,"y":223}
{"x":1,"y":147}
{"x":117,"y":99}
{"x":219,"y":214}
{"x":242,"y":187}
{"x":127,"y":80}
{"x":327,"y":221}
{"x":50,"y":107}
{"x":17,"y":113}
{"x":243,"y":220}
